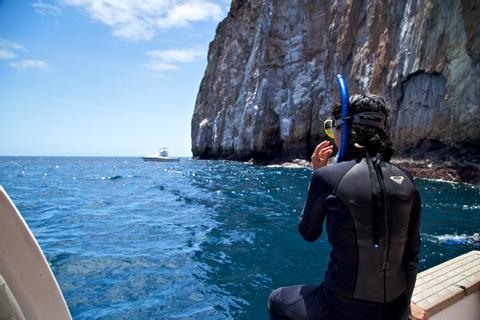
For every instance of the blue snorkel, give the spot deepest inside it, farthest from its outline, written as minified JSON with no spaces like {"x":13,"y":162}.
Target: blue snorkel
{"x":344,"y":97}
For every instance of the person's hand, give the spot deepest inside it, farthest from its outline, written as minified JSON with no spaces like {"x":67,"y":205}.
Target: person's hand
{"x":321,"y":154}
{"x":417,"y":313}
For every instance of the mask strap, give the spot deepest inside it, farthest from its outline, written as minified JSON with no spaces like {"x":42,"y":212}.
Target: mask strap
{"x":374,"y":119}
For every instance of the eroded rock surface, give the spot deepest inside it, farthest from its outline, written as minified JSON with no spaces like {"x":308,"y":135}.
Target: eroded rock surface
{"x":270,"y":79}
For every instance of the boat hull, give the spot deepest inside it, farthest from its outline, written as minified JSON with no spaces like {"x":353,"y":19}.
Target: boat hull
{"x":28,"y":287}
{"x":161,"y":159}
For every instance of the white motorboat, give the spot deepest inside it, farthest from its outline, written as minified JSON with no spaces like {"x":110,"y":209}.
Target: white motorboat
{"x":161,"y":156}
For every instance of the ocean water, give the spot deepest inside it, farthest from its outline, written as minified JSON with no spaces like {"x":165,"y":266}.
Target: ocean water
{"x":129,"y":239}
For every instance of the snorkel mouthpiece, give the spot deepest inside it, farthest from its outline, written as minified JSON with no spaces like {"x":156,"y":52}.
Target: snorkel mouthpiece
{"x":344,"y":99}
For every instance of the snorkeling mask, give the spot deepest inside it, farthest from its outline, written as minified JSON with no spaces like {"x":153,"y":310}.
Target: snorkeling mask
{"x":374,"y":119}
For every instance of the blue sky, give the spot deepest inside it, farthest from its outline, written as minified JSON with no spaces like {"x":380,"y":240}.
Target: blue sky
{"x":102,"y":77}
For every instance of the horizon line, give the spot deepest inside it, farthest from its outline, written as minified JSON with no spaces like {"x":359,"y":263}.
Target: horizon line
{"x":82,"y":156}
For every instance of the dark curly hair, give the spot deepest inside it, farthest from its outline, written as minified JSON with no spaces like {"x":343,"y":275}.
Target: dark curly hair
{"x":374,"y":139}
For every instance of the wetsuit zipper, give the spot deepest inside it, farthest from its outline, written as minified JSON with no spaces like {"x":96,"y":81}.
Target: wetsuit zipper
{"x":386,"y":210}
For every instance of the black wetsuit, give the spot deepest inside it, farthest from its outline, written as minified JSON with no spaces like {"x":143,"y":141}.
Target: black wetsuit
{"x":374,"y":257}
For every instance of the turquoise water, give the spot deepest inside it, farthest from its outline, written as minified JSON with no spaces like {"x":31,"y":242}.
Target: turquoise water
{"x":129,"y":239}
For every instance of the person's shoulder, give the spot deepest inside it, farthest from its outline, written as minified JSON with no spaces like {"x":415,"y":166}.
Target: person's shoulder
{"x":344,"y":165}
{"x":333,"y":168}
{"x":332,"y":173}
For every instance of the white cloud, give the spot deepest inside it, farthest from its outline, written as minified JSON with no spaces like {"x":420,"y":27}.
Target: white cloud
{"x":47,"y":9}
{"x":166,"y":60}
{"x":176,"y":55}
{"x":160,"y":67}
{"x":6,"y":54}
{"x":140,"y":19}
{"x":31,"y":64}
{"x":190,"y":11}
{"x":8,"y":49}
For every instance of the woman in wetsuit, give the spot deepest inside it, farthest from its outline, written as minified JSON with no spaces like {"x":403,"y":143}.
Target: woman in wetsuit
{"x":372,"y":212}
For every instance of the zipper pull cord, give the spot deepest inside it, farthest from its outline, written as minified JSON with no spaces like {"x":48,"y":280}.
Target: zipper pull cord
{"x":375,"y":197}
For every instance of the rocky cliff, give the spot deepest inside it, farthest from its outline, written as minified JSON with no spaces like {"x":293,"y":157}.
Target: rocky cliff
{"x":270,"y":79}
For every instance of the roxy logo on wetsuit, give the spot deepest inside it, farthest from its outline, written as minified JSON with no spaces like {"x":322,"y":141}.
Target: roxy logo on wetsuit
{"x":397,"y":179}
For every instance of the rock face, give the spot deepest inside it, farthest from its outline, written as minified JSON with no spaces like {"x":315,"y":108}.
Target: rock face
{"x":270,"y":80}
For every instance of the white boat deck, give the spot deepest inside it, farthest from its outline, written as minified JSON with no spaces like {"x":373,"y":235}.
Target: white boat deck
{"x":451,"y":290}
